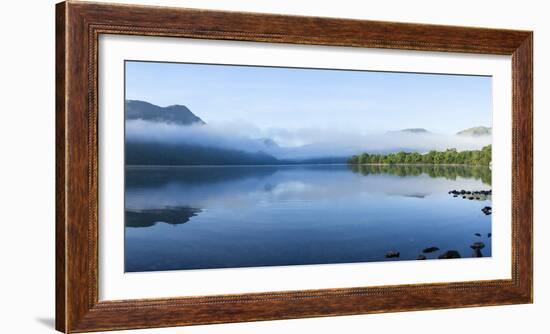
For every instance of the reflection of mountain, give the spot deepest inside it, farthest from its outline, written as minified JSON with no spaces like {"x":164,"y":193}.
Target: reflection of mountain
{"x":148,"y":218}
{"x":146,"y":111}
{"x":146,"y":177}
{"x":415,"y":195}
{"x":446,"y":171}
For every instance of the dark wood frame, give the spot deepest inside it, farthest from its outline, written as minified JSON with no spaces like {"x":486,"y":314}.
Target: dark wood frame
{"x":78,"y":25}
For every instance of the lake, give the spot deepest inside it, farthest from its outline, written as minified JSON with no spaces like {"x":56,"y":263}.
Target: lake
{"x":247,"y":216}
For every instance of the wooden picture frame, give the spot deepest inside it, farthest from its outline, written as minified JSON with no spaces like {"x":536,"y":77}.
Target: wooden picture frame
{"x":78,"y":26}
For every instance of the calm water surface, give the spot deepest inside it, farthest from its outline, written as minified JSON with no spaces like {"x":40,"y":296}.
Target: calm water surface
{"x":247,"y":216}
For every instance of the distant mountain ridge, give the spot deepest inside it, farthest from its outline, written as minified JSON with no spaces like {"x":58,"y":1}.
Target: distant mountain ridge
{"x":415,"y":130}
{"x":476,"y":131}
{"x":153,"y":150}
{"x":176,"y":114}
{"x":157,"y":153}
{"x":410,"y":130}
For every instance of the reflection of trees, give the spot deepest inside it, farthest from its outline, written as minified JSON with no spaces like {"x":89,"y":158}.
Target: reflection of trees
{"x":482,"y":173}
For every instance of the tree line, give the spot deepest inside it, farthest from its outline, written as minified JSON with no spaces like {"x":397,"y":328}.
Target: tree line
{"x":450,"y":156}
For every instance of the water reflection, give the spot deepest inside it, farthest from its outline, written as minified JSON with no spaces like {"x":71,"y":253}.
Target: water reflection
{"x":168,"y":215}
{"x":244,"y":216}
{"x":450,"y":172}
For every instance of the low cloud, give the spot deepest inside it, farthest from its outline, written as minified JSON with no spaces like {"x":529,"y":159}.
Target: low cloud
{"x":296,"y":144}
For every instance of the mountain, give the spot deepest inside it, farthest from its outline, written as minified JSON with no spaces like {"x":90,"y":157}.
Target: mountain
{"x":166,"y":154}
{"x":315,"y":161}
{"x":269,"y":142}
{"x":477,"y":131}
{"x":176,"y":114}
{"x":411,"y":130}
{"x":143,"y":152}
{"x":415,"y":130}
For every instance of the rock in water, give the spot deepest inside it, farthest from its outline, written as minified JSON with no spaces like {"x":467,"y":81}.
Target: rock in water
{"x":477,"y":253}
{"x":421,"y":257}
{"x":392,"y":254}
{"x":477,"y":245}
{"x":489,"y":235}
{"x":477,"y":234}
{"x":451,"y":254}
{"x":430,"y":250}
{"x":487,"y":210}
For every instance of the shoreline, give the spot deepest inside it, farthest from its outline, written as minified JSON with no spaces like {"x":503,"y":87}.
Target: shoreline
{"x":304,"y":164}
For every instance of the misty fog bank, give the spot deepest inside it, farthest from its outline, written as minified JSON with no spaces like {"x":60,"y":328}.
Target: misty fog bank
{"x":302,"y":143}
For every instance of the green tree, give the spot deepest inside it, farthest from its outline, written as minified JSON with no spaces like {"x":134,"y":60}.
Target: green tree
{"x":450,"y":156}
{"x":364,"y":158}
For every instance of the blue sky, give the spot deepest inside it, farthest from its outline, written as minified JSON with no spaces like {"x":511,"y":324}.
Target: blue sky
{"x":286,"y":98}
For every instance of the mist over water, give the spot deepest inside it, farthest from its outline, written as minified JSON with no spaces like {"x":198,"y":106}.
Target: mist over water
{"x":242,"y":166}
{"x":299,"y":143}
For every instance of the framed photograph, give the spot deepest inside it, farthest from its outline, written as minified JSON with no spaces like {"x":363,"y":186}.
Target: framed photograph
{"x":223,"y":167}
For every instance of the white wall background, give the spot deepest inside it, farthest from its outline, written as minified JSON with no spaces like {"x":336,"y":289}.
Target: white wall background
{"x":27,"y":69}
